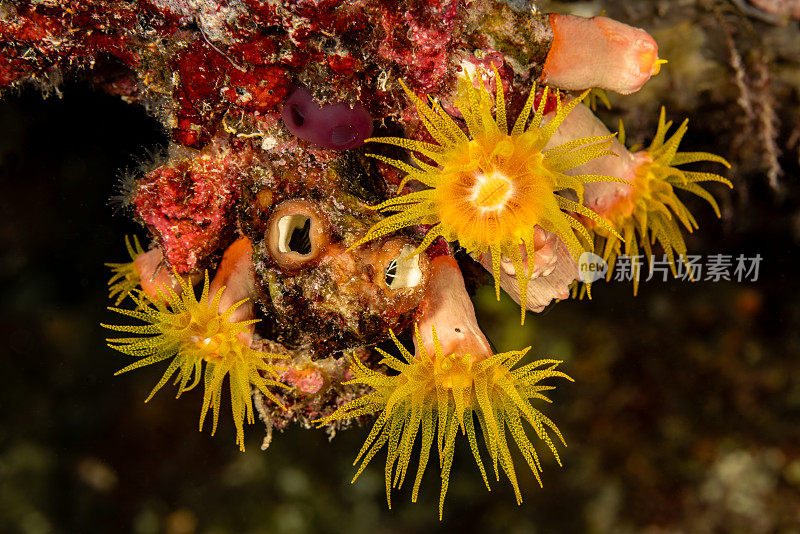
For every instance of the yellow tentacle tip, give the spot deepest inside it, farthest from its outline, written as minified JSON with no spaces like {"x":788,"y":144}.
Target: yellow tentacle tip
{"x":657,"y":65}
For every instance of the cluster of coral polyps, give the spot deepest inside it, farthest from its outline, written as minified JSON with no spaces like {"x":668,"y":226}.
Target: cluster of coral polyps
{"x":335,"y":168}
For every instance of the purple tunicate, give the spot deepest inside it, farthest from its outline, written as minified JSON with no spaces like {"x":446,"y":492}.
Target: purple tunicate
{"x":335,"y":126}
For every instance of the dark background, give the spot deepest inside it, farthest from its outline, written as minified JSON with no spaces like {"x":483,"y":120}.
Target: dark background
{"x":683,"y":417}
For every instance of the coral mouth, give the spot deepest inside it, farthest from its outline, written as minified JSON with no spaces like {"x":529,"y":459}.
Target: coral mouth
{"x":491,"y":192}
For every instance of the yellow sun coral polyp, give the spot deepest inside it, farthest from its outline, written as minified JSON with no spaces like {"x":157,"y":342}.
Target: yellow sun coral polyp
{"x":437,"y":395}
{"x":651,"y":211}
{"x":491,"y":186}
{"x":125,"y":279}
{"x":202,"y":343}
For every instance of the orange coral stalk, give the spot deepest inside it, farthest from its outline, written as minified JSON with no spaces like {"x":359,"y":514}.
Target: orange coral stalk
{"x":447,"y":307}
{"x":236,"y":279}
